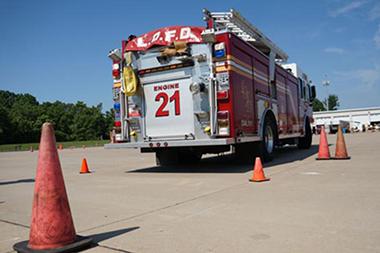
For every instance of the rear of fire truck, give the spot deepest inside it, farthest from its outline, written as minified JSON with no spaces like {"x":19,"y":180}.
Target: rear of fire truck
{"x":165,"y":93}
{"x":182,"y":92}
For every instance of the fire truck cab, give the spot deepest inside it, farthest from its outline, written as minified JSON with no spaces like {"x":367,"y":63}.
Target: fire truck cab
{"x":184,"y":91}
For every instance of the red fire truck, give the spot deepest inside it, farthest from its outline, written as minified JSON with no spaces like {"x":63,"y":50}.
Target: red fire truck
{"x":184,"y":91}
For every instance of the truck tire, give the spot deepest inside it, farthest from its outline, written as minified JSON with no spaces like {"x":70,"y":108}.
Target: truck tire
{"x":167,"y":157}
{"x":305,"y":141}
{"x":267,"y":144}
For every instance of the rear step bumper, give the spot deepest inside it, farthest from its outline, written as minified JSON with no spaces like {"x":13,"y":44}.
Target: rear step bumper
{"x":181,"y":143}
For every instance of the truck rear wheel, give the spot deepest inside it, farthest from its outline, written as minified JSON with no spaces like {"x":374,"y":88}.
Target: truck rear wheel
{"x":268,"y":141}
{"x":305,"y":142}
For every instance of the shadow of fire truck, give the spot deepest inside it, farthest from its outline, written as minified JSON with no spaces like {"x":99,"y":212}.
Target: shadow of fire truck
{"x":228,"y":163}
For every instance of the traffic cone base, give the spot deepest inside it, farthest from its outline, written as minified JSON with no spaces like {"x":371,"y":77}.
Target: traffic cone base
{"x":79,"y":244}
{"x":321,"y":159}
{"x":261,"y":180}
{"x":341,"y":158}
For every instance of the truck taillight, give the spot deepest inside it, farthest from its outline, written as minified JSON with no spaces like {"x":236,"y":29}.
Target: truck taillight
{"x":222,"y":94}
{"x":116,"y":71}
{"x":223,"y":123}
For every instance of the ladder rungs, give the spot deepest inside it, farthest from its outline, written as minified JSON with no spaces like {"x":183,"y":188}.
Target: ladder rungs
{"x":232,"y":21}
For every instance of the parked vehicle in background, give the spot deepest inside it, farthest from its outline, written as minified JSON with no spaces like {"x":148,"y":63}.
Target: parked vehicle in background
{"x":184,"y":91}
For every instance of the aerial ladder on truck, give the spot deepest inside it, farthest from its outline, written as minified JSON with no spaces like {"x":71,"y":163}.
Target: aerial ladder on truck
{"x":233,"y":22}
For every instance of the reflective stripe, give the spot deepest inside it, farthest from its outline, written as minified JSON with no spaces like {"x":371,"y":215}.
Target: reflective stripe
{"x":242,"y":70}
{"x":241,"y":67}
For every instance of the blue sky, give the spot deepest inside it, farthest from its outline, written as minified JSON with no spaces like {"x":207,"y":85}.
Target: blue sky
{"x":57,"y":50}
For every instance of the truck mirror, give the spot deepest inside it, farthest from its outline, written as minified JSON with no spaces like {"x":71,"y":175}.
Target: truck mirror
{"x":313,"y":93}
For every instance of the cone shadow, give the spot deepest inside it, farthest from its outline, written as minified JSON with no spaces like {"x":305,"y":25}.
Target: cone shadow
{"x":97,"y":238}
{"x":19,"y":181}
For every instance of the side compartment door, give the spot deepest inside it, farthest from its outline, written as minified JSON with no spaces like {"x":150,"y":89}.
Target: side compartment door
{"x":241,"y":78}
{"x":292,"y":107}
{"x":282,"y":104}
{"x":261,"y":85}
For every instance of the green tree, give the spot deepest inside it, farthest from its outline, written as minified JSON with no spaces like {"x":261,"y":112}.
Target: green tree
{"x":5,"y":124}
{"x":88,"y":122}
{"x":56,"y":113}
{"x":7,"y":100}
{"x":21,"y":118}
{"x":318,"y":105}
{"x":23,"y":115}
{"x":333,"y":102}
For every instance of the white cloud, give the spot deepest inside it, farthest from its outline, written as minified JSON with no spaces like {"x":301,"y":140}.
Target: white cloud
{"x":374,"y":13}
{"x":357,"y":87}
{"x":368,"y":78}
{"x":376,"y":38}
{"x":334,"y":50}
{"x":347,"y":8}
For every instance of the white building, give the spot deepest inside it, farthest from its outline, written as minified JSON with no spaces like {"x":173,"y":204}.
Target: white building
{"x":351,"y":119}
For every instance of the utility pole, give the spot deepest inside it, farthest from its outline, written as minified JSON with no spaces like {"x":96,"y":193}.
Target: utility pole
{"x":326,"y":83}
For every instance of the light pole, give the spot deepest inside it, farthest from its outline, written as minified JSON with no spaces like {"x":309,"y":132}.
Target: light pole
{"x":326,"y":83}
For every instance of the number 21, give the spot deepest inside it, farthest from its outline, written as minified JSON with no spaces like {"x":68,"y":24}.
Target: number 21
{"x":161,"y":112}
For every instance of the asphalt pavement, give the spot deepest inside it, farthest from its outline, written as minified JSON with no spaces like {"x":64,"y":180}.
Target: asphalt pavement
{"x":127,"y":204}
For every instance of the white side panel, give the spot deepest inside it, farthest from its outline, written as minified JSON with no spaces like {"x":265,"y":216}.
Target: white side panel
{"x":169,"y":121}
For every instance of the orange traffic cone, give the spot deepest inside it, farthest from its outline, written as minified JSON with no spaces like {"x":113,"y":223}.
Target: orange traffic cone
{"x":324,"y":152}
{"x":52,"y":228}
{"x":84,"y":169}
{"x":258,"y":172}
{"x":340,"y":149}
